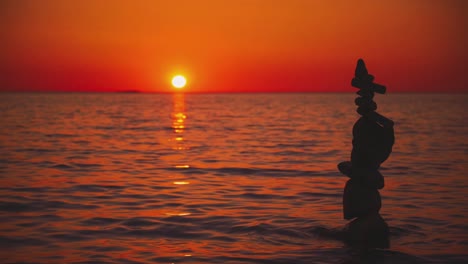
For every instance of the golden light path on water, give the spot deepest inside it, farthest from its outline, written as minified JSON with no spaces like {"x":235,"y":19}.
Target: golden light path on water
{"x":179,"y":144}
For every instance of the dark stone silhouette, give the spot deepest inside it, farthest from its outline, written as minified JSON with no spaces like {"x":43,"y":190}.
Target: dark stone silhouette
{"x":364,"y":81}
{"x":373,"y":139}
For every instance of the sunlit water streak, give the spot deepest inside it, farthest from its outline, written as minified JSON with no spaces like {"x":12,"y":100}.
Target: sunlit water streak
{"x":242,"y":178}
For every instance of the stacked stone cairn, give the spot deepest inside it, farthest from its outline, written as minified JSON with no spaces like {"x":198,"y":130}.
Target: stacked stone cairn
{"x":373,"y":139}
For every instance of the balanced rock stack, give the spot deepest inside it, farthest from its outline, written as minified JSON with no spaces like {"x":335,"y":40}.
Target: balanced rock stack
{"x":373,"y":139}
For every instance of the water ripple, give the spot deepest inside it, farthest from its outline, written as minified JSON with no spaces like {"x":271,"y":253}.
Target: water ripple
{"x":124,"y":178}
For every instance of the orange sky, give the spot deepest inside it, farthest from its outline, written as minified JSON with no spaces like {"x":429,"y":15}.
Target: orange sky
{"x":238,"y":46}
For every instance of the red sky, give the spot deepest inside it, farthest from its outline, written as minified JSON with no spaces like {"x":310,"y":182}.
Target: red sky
{"x":238,"y":46}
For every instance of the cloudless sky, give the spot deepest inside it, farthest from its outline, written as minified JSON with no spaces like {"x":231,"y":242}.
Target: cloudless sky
{"x":232,"y":45}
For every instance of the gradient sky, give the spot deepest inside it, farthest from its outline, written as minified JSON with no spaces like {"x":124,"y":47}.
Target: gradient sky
{"x":232,"y":46}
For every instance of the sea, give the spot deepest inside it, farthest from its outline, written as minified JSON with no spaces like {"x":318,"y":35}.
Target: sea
{"x":222,"y":178}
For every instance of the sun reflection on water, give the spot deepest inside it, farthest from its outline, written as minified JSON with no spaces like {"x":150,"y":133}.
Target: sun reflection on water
{"x":178,"y":214}
{"x":180,"y":145}
{"x":181,"y":182}
{"x":182,"y":166}
{"x":178,"y":126}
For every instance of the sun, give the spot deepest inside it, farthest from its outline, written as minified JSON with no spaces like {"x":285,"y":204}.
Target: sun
{"x":179,"y":81}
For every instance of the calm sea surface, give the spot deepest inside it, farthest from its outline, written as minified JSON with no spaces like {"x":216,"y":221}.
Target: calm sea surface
{"x":228,"y":178}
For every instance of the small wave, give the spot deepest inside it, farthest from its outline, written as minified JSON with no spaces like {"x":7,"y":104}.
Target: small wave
{"x":14,"y":207}
{"x":105,"y":127}
{"x":31,"y":189}
{"x":86,"y":165}
{"x":170,"y":231}
{"x":68,"y":237}
{"x":94,"y":188}
{"x":103,"y":249}
{"x":42,"y":205}
{"x":290,"y":153}
{"x":261,"y":196}
{"x":20,"y":241}
{"x":249,"y":171}
{"x":143,"y":128}
{"x":35,"y":150}
{"x":62,"y":167}
{"x":321,"y":194}
{"x":59,"y":135}
{"x":81,"y":142}
{"x":138,"y":222}
{"x":330,"y":233}
{"x":406,"y":230}
{"x":424,"y":220}
{"x":100,"y":221}
{"x":258,"y":228}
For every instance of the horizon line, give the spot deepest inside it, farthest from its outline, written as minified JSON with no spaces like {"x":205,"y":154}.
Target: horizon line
{"x":231,"y":92}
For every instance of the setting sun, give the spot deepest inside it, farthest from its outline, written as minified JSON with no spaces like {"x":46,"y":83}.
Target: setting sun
{"x":179,"y":81}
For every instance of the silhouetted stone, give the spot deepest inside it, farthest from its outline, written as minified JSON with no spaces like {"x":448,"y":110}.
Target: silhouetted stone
{"x":359,"y":101}
{"x":360,"y":199}
{"x":369,"y":231}
{"x":366,"y":93}
{"x":363,"y":80}
{"x":373,"y":139}
{"x":366,"y":176}
{"x":372,"y":143}
{"x":361,"y":70}
{"x":382,"y":121}
{"x":346,"y":167}
{"x":366,"y":109}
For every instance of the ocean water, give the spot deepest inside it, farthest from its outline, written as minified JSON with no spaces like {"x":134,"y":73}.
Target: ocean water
{"x":221,"y":178}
